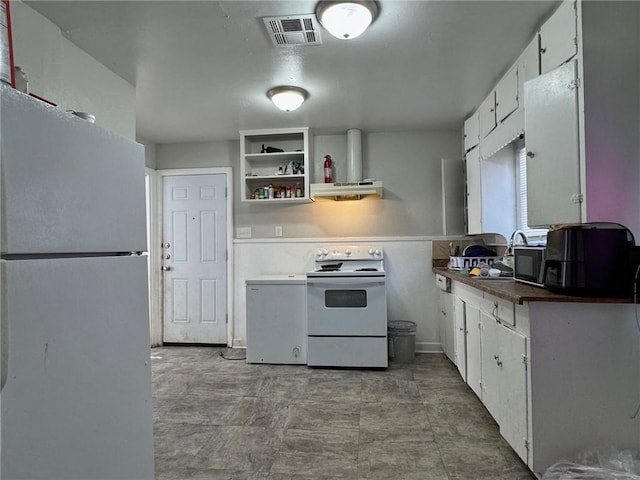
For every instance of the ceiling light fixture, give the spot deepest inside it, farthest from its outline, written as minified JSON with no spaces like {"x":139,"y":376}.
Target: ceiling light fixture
{"x":346,"y":19}
{"x":287,"y":98}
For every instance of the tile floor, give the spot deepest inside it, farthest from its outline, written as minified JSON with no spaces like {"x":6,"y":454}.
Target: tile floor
{"x":226,"y":419}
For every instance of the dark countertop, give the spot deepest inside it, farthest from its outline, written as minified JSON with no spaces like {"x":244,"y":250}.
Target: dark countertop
{"x":520,"y":293}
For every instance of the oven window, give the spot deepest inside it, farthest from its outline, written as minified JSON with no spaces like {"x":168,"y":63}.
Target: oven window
{"x":345,"y":298}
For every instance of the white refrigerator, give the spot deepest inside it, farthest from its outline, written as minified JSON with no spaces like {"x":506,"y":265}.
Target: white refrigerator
{"x":76,"y":376}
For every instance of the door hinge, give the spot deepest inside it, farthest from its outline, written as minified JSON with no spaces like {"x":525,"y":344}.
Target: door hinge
{"x":574,"y":84}
{"x":526,"y":444}
{"x":576,"y":198}
{"x":226,"y":318}
{"x":525,"y":359}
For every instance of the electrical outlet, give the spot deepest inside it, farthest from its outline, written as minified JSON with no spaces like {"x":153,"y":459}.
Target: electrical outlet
{"x":243,"y":232}
{"x":278,"y":230}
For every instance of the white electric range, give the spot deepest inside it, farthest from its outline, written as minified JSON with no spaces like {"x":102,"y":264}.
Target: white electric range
{"x":347,"y":308}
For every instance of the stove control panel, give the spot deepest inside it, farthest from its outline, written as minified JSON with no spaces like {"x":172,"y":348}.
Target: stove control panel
{"x":349,"y":252}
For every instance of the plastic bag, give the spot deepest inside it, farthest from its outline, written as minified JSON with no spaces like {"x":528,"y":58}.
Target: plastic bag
{"x":597,"y":464}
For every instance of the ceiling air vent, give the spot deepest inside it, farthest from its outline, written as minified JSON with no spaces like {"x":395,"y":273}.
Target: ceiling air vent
{"x":293,"y":30}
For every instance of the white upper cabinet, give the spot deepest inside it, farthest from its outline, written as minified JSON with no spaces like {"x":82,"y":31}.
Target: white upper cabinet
{"x":507,"y":94}
{"x":274,"y":165}
{"x":487,"y":115}
{"x":558,"y":37}
{"x":471,"y":132}
{"x":552,"y":143}
{"x":528,"y":64}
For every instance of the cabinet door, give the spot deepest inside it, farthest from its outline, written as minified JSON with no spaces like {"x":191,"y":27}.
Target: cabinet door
{"x":513,"y":389}
{"x":447,"y":327}
{"x":474,"y":359}
{"x":460,"y":337}
{"x":558,"y":38}
{"x":551,"y":125}
{"x":529,"y":63}
{"x":507,"y":94}
{"x":474,"y":192}
{"x":487,"y":115}
{"x":471,"y":132}
{"x":490,"y":365}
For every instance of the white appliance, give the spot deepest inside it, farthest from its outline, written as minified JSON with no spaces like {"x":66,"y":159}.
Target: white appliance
{"x":277,"y":319}
{"x":76,"y":381}
{"x":347,"y":308}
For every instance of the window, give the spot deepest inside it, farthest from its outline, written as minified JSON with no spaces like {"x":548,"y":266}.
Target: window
{"x":534,"y":235}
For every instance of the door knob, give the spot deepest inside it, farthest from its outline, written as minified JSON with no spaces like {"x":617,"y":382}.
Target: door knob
{"x":166,"y":245}
{"x":165,"y":268}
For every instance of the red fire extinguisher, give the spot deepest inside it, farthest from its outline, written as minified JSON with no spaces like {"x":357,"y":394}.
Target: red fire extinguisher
{"x":328,"y":173}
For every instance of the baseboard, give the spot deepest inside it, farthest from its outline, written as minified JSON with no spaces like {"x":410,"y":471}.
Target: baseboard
{"x":428,"y":347}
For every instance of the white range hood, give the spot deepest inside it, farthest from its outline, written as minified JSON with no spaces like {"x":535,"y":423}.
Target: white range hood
{"x":354,"y":188}
{"x":346,"y":190}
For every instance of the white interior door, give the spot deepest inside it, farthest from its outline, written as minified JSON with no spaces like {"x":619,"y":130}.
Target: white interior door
{"x":194,"y":259}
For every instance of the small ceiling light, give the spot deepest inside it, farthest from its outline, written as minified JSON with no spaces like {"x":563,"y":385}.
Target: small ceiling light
{"x":287,"y":98}
{"x":346,"y":19}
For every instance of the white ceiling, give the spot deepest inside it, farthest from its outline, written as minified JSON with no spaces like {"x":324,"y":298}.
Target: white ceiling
{"x":202,"y":69}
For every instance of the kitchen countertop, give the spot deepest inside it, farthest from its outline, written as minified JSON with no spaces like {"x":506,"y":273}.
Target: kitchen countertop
{"x":520,"y":293}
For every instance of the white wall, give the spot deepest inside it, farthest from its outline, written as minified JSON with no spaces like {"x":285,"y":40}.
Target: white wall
{"x":411,"y":288}
{"x":62,"y":73}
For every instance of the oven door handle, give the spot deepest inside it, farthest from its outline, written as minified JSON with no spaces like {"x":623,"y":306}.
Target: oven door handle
{"x":360,"y":282}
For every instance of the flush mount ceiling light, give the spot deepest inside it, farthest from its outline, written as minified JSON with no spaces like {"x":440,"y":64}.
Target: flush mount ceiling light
{"x":346,"y":19}
{"x":287,"y":98}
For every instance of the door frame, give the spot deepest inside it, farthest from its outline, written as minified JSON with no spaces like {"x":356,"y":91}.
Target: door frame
{"x":156,"y":238}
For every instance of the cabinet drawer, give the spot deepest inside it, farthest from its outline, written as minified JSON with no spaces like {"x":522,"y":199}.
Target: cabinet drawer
{"x":500,"y":309}
{"x":443,"y":283}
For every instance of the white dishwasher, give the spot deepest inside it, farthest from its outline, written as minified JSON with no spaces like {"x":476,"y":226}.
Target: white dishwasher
{"x":277,"y":319}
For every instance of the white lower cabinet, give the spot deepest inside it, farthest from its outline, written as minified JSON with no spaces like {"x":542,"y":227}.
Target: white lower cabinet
{"x":447,"y":326}
{"x":490,"y":365}
{"x":512,"y":387}
{"x":496,"y":362}
{"x":474,"y":362}
{"x":460,"y":337}
{"x":558,"y":378}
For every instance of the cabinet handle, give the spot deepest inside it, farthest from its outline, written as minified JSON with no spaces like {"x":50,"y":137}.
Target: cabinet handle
{"x":543,"y":50}
{"x":531,"y":154}
{"x":497,"y":359}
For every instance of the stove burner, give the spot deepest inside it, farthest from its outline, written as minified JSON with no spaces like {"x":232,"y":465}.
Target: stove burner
{"x":330,"y":267}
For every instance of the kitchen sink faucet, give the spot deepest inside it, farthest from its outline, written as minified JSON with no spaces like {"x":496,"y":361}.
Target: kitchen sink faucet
{"x":512,"y":239}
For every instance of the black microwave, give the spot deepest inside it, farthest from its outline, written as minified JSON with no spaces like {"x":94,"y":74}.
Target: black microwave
{"x":529,"y":265}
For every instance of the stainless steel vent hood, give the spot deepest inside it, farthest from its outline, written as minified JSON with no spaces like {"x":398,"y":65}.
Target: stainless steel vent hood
{"x":354,"y":188}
